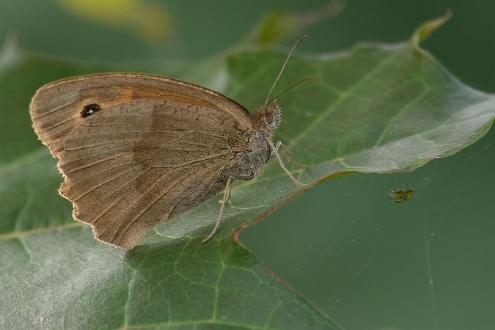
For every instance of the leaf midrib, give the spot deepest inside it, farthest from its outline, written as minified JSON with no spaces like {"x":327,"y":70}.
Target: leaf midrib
{"x":342,"y":97}
{"x":20,"y":234}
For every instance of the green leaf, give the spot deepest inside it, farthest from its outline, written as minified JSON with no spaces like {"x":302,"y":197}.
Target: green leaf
{"x":377,"y":109}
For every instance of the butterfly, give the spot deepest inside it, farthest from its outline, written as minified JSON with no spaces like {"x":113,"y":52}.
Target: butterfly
{"x":138,"y":149}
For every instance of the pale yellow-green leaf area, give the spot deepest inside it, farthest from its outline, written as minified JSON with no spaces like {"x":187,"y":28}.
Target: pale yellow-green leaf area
{"x":151,"y":22}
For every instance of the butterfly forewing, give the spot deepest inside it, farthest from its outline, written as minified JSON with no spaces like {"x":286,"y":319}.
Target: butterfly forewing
{"x":137,"y":149}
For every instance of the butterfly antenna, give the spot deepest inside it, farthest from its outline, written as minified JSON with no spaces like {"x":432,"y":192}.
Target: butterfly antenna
{"x":283,"y":66}
{"x":297,"y":83}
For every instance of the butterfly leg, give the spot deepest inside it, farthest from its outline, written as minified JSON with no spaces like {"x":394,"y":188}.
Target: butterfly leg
{"x":226,"y":194}
{"x":289,"y":156}
{"x":282,"y":165}
{"x":276,"y":149}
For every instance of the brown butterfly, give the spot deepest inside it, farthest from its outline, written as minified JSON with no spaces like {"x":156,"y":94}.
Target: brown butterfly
{"x":137,"y":149}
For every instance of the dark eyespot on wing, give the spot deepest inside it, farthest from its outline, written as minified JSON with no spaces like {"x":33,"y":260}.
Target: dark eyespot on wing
{"x":90,"y":109}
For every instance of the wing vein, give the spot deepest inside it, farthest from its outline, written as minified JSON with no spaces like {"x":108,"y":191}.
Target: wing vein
{"x":49,"y":128}
{"x":144,"y":210}
{"x":103,"y":183}
{"x":105,"y":211}
{"x":95,"y":163}
{"x":195,"y":161}
{"x":38,"y":116}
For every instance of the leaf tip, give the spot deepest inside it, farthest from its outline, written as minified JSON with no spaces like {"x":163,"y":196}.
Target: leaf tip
{"x":278,"y":25}
{"x":426,"y":29}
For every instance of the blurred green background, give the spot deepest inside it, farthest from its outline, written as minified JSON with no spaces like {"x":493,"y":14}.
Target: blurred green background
{"x":367,"y":262}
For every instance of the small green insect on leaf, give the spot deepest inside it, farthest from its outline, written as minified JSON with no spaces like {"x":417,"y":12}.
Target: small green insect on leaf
{"x":402,"y":195}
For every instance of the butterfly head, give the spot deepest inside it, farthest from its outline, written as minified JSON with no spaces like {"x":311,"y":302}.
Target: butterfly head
{"x":268,"y":118}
